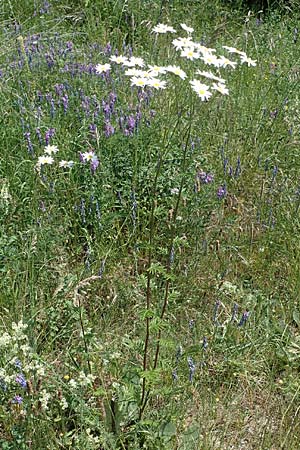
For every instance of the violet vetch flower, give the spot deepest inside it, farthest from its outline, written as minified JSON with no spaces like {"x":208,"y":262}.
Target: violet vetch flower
{"x":221,"y":192}
{"x":238,"y":168}
{"x":17,"y":399}
{"x":94,"y":162}
{"x":20,"y":379}
{"x":18,"y":364}
{"x":192,"y":368}
{"x":108,"y":129}
{"x":29,"y":143}
{"x":49,"y":134}
{"x":244,"y":318}
{"x":65,"y":102}
{"x":234,"y":312}
{"x":205,"y":178}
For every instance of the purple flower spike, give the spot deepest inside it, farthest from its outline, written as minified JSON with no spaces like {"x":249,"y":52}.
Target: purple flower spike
{"x":21,"y":380}
{"x":17,"y":399}
{"x":221,"y":192}
{"x":94,"y":163}
{"x":244,"y":318}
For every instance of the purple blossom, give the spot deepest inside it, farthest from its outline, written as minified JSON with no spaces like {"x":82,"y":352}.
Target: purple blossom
{"x":17,"y":399}
{"x":18,"y":364}
{"x":20,"y":379}
{"x":205,"y":178}
{"x":65,"y":101}
{"x":49,"y":134}
{"x":29,"y":143}
{"x":108,"y":129}
{"x":94,"y":163}
{"x":221,"y":192}
{"x":244,"y":318}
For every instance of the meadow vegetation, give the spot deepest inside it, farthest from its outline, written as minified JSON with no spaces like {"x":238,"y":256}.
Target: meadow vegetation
{"x":149,"y":198}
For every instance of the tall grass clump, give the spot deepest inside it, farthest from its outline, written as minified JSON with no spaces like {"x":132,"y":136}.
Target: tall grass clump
{"x":149,"y":215}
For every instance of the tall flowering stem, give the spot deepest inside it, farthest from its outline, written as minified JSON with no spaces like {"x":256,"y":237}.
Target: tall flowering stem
{"x":145,"y":392}
{"x":161,"y":156}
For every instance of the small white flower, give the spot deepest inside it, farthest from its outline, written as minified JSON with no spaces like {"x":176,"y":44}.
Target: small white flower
{"x":63,"y":403}
{"x":44,"y":399}
{"x":249,"y":61}
{"x":156,"y":83}
{"x":177,"y":71}
{"x":234,"y":50}
{"x":202,"y":90}
{"x":210,"y":75}
{"x":134,"y":61}
{"x":118,"y":59}
{"x":224,"y":62}
{"x":186,"y":28}
{"x":174,"y":191}
{"x":42,"y":160}
{"x":87,"y":156}
{"x":220,"y":88}
{"x":73,"y":383}
{"x":204,"y":50}
{"x":156,"y":70}
{"x":101,"y":68}
{"x":139,"y":81}
{"x":5,"y":339}
{"x":190,"y":54}
{"x":211,"y":60}
{"x":162,"y":29}
{"x":181,"y":43}
{"x":49,"y":149}
{"x":66,"y":164}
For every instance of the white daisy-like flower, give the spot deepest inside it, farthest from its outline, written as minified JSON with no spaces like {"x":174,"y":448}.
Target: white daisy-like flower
{"x":177,"y":71}
{"x":249,"y":61}
{"x":101,"y":68}
{"x":202,"y":90}
{"x":204,"y":50}
{"x":211,"y":76}
{"x":233,"y":50}
{"x":181,"y":43}
{"x":87,"y":156}
{"x":162,"y":29}
{"x":156,"y":70}
{"x":210,"y":60}
{"x":50,"y":149}
{"x":134,"y":72}
{"x":220,"y":87}
{"x":190,"y":54}
{"x":139,"y":81}
{"x":66,"y":164}
{"x":186,"y":28}
{"x":136,"y":61}
{"x":224,"y":62}
{"x":42,"y":160}
{"x":118,"y":59}
{"x":157,"y":84}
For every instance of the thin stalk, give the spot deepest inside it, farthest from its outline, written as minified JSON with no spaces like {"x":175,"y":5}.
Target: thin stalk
{"x":145,"y":395}
{"x":149,"y":262}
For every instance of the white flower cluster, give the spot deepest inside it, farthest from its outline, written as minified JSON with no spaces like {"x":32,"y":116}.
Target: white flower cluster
{"x":189,"y":50}
{"x":47,"y":158}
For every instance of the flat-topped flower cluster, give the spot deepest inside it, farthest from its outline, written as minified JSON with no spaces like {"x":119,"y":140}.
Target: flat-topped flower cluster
{"x":143,"y":75}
